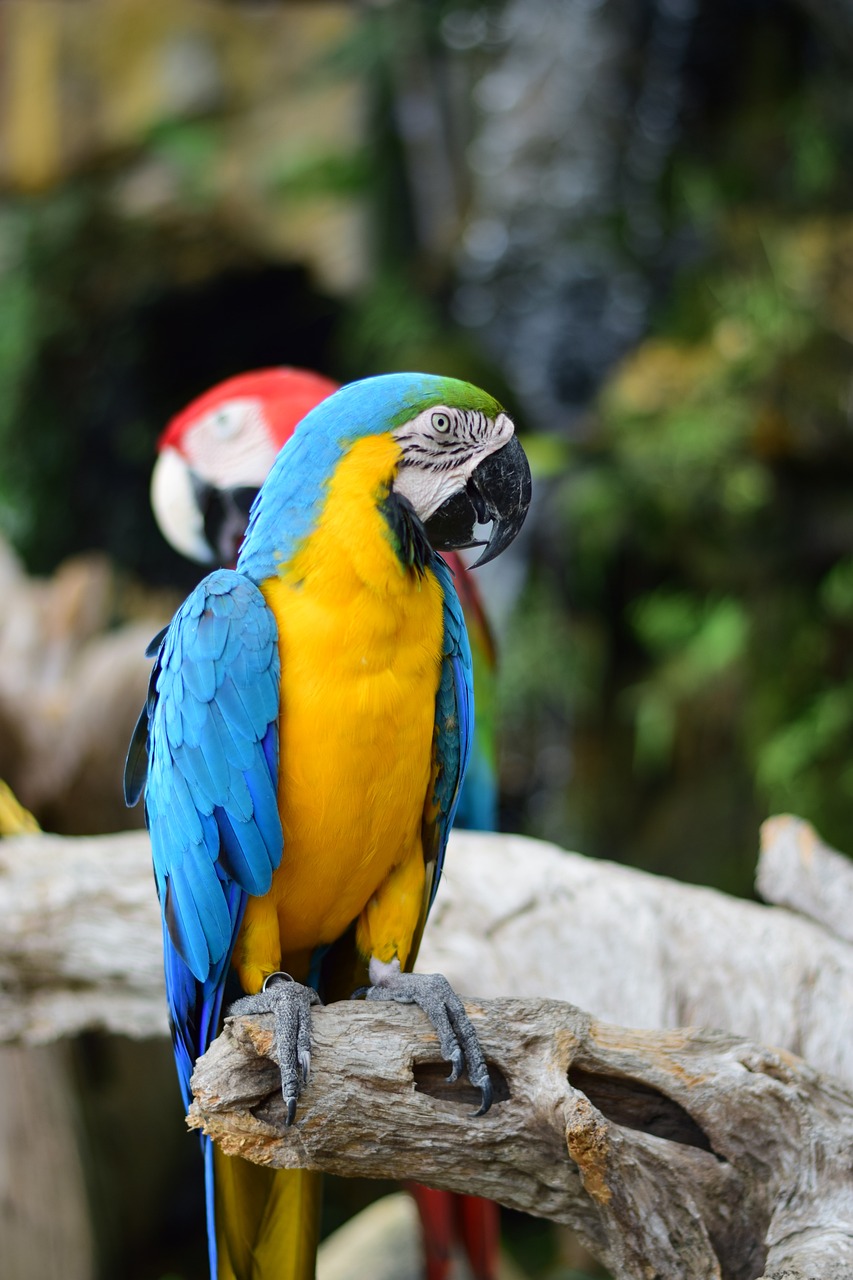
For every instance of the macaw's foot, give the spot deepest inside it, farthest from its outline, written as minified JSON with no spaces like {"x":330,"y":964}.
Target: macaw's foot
{"x":290,"y":1004}
{"x":456,"y":1035}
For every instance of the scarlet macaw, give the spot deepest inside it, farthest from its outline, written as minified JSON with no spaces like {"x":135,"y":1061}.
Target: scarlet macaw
{"x":334,"y":655}
{"x":216,"y":453}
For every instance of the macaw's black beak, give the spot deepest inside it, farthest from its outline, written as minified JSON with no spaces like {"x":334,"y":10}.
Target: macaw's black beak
{"x":498,"y":491}
{"x":225,"y":514}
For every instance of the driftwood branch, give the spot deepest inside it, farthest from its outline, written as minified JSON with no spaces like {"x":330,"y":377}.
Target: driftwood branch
{"x":797,"y":870}
{"x":677,"y":1154}
{"x":673,"y":1155}
{"x":81,"y":945}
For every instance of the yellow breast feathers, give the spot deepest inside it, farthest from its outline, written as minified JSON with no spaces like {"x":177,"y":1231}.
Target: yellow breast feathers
{"x":360,"y":639}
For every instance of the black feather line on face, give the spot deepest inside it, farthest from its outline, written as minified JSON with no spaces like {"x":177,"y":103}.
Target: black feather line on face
{"x":467,"y":427}
{"x":441,"y":460}
{"x":408,"y":535}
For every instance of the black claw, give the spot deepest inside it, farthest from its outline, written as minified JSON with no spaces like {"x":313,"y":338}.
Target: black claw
{"x":290,"y":1004}
{"x":486,"y":1097}
{"x":457,"y":1062}
{"x":456,"y":1035}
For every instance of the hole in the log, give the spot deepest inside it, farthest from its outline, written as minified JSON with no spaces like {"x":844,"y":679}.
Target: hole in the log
{"x":431,"y":1078}
{"x":635,"y":1105}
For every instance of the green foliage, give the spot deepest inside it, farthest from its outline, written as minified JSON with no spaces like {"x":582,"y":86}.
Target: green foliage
{"x":60,"y":276}
{"x":189,"y":151}
{"x":391,"y":320}
{"x":693,"y":643}
{"x":20,"y":325}
{"x":534,"y":656}
{"x":835,"y":592}
{"x":394,"y":325}
{"x":333,"y":173}
{"x":701,"y":586}
{"x":786,"y":761}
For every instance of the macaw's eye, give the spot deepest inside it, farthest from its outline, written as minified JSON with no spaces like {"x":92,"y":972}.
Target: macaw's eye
{"x":226,"y":423}
{"x":441,"y":422}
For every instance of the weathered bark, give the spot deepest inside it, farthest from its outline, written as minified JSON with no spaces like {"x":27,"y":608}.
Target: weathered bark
{"x":674,"y":1155}
{"x":517,"y":917}
{"x":81,"y":944}
{"x":81,"y":948}
{"x":797,"y":870}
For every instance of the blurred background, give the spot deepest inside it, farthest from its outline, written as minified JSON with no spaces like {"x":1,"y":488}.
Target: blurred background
{"x":632,"y":220}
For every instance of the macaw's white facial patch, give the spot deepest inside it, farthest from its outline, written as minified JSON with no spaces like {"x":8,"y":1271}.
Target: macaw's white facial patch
{"x":441,"y":449}
{"x":176,"y":509}
{"x":231,"y":447}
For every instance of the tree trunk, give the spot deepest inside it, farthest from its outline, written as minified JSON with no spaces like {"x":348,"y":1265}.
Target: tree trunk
{"x":45,"y":1223}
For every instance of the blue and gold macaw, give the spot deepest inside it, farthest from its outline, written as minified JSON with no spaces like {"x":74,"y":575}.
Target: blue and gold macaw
{"x":303,"y":746}
{"x":212,"y":459}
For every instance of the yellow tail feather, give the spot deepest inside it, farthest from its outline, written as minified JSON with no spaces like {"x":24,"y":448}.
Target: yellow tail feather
{"x":267,"y":1220}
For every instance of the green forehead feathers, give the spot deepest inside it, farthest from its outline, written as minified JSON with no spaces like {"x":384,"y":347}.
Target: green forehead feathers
{"x":447,"y":391}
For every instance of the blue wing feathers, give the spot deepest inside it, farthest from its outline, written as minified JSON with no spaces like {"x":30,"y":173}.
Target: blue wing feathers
{"x":192,"y":919}
{"x":154,"y":645}
{"x":200,"y":677}
{"x":181,"y":990}
{"x":235,"y":741}
{"x":184,"y":815}
{"x":231,"y":705}
{"x":244,"y":854}
{"x":454,"y":717}
{"x":136,"y":767}
{"x":199,"y":769}
{"x":212,"y":634}
{"x":265,"y":815}
{"x":234,"y":858}
{"x":270,"y":748}
{"x":210,"y":798}
{"x":174,"y":723}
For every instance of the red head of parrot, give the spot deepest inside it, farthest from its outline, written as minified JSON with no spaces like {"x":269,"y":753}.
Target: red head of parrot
{"x":216,"y":453}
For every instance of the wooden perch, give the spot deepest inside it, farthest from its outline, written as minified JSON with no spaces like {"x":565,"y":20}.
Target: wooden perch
{"x":683,"y":1155}
{"x":662,"y":1149}
{"x":797,"y":870}
{"x":81,"y":945}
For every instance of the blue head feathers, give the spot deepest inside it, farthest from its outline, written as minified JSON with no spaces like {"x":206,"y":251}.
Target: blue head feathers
{"x":286,"y":509}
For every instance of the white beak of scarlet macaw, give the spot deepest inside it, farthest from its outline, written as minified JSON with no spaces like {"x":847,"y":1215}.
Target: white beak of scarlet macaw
{"x":204,"y":483}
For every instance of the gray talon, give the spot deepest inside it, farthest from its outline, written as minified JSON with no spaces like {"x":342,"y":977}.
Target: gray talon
{"x":486,"y":1096}
{"x":290,"y":1004}
{"x":457,"y":1038}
